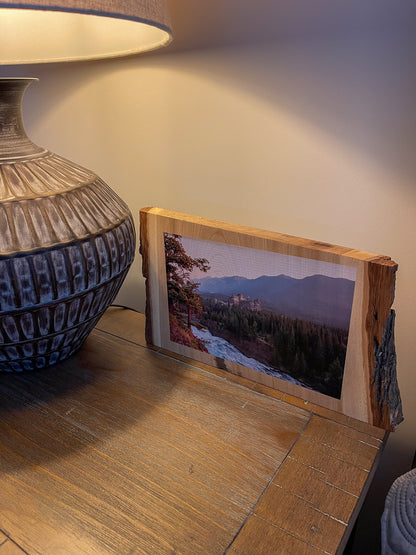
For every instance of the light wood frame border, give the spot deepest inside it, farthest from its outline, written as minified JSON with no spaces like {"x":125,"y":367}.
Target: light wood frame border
{"x":369,"y":391}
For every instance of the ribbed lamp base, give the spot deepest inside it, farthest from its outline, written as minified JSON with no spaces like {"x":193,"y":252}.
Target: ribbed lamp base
{"x":66,"y":244}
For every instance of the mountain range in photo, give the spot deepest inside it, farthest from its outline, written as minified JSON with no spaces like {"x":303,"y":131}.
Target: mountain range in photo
{"x":317,"y":298}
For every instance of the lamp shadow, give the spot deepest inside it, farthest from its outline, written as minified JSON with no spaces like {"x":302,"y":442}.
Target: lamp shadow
{"x":97,"y":394}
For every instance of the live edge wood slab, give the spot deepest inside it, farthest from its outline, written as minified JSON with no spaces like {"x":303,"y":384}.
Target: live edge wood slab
{"x":123,"y":450}
{"x":369,"y":389}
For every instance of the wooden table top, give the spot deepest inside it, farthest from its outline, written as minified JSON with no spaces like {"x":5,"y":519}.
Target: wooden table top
{"x":125,"y":450}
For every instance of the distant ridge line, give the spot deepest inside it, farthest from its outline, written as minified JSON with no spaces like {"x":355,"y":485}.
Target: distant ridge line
{"x":317,"y":298}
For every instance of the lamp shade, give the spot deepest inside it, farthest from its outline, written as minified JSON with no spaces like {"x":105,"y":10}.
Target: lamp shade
{"x":65,"y":30}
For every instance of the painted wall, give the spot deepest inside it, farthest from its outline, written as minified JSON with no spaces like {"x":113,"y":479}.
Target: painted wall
{"x":310,"y":135}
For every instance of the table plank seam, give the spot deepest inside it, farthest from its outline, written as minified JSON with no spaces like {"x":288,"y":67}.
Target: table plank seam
{"x":311,"y":505}
{"x":15,"y":544}
{"x":269,"y":483}
{"x":116,"y":336}
{"x":290,"y":534}
{"x":377,"y":434}
{"x":323,"y":474}
{"x":308,"y":502}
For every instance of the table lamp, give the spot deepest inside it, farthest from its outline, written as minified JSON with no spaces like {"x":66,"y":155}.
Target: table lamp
{"x":66,"y":239}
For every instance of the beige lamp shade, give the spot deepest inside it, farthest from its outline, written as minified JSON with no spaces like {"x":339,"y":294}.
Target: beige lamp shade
{"x":58,"y":30}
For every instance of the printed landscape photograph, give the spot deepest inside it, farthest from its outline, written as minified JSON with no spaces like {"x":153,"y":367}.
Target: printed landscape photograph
{"x":282,"y":315}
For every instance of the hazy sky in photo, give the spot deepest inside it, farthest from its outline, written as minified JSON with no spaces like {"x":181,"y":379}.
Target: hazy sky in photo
{"x":231,"y":260}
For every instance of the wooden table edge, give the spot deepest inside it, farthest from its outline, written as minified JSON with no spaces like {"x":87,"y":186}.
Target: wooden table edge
{"x":346,"y":425}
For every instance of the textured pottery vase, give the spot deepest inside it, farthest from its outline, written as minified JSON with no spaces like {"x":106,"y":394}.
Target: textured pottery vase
{"x":398,"y":522}
{"x":66,"y":244}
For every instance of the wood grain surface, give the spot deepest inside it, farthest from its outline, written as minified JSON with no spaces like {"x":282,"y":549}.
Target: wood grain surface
{"x":125,"y":450}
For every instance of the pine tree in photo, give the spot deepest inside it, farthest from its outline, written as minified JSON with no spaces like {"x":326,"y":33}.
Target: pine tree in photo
{"x":183,"y":299}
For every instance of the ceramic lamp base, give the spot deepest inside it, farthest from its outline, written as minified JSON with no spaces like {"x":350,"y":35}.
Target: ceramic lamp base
{"x":66,"y":244}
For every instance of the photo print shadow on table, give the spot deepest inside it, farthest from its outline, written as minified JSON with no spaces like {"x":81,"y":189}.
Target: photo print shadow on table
{"x":282,"y":315}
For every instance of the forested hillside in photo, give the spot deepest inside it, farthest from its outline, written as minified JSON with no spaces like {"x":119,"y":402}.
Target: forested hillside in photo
{"x":312,"y":353}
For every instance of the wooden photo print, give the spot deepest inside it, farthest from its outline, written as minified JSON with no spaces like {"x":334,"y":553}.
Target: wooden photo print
{"x":310,"y":319}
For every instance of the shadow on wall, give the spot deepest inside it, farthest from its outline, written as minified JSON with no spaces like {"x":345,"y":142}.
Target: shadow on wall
{"x":344,"y":67}
{"x":215,"y":23}
{"x":358,"y":91}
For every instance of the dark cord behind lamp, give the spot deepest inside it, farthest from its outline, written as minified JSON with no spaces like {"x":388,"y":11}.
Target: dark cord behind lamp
{"x":66,"y":239}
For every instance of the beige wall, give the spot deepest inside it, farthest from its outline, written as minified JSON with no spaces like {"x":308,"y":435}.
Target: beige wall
{"x":313,"y":137}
